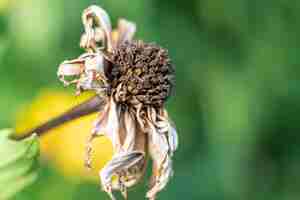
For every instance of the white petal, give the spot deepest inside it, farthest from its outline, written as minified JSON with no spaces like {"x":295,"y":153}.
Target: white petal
{"x":130,"y":131}
{"x":75,"y":66}
{"x":109,"y":124}
{"x":121,"y":162}
{"x":126,"y":30}
{"x":69,"y":69}
{"x":173,"y":138}
{"x":95,"y":63}
{"x":158,"y":145}
{"x":96,"y":16}
{"x":151,"y":114}
{"x":138,"y":116}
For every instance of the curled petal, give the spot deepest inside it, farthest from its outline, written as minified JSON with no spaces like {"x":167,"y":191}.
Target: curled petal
{"x":72,"y":67}
{"x":86,"y":61}
{"x":126,"y":167}
{"x":91,"y":38}
{"x":161,"y":181}
{"x":95,"y":62}
{"x":69,"y":69}
{"x":160,"y":149}
{"x":95,"y":16}
{"x":89,"y":69}
{"x":120,"y":162}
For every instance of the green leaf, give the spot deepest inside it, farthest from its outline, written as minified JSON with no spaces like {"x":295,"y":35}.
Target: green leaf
{"x":18,"y":163}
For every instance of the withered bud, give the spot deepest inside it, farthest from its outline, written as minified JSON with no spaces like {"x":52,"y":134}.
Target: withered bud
{"x":141,"y":72}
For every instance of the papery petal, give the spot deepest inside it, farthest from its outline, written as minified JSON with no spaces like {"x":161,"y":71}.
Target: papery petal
{"x":125,"y":31}
{"x":161,"y":181}
{"x":109,"y":124}
{"x":166,"y":125}
{"x":138,"y":116}
{"x":78,"y":65}
{"x":69,"y":68}
{"x":173,"y":138}
{"x":162,"y":144}
{"x":126,"y":167}
{"x":130,"y":129}
{"x":120,"y":161}
{"x":95,"y":63}
{"x":96,"y":16}
{"x":158,"y":145}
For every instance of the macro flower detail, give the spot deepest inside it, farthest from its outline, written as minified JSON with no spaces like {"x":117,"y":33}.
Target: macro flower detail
{"x":134,"y":79}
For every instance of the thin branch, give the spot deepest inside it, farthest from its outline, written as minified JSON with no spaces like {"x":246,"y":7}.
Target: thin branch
{"x":88,"y":107}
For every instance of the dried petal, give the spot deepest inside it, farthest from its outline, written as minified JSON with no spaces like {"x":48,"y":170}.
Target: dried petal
{"x":69,"y":69}
{"x":95,"y":62}
{"x":161,"y":150}
{"x":173,"y":138}
{"x":130,"y":129}
{"x":125,"y":31}
{"x":158,"y":145}
{"x":161,"y":181}
{"x":109,"y":124}
{"x":120,"y":162}
{"x":95,"y":16}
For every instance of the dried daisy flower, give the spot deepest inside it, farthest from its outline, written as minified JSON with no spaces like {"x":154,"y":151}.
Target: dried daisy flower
{"x":134,"y":79}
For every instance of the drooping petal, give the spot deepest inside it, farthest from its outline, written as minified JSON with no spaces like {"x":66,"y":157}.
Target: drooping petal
{"x":158,"y":145}
{"x":120,"y":163}
{"x":130,"y":129}
{"x":162,"y":143}
{"x":161,"y":180}
{"x":173,"y":138}
{"x":112,"y":126}
{"x":166,"y":125}
{"x":109,"y":124}
{"x":126,"y":167}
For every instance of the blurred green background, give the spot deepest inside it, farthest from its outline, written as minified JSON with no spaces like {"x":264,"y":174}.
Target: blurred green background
{"x":237,"y":98}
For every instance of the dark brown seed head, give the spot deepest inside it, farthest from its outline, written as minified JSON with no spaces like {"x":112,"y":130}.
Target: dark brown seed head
{"x":141,"y":72}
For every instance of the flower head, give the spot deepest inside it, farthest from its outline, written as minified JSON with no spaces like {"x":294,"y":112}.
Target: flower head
{"x":135,"y":79}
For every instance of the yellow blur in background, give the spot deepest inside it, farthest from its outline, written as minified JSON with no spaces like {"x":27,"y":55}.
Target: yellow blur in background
{"x":4,"y":5}
{"x":64,"y":147}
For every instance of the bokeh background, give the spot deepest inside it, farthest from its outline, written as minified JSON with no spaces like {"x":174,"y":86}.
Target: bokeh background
{"x":236,"y":105}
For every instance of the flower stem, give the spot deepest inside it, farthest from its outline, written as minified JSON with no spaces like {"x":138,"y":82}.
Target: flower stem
{"x":90,"y":106}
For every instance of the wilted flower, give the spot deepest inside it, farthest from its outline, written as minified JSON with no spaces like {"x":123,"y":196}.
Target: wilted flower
{"x":134,"y":79}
